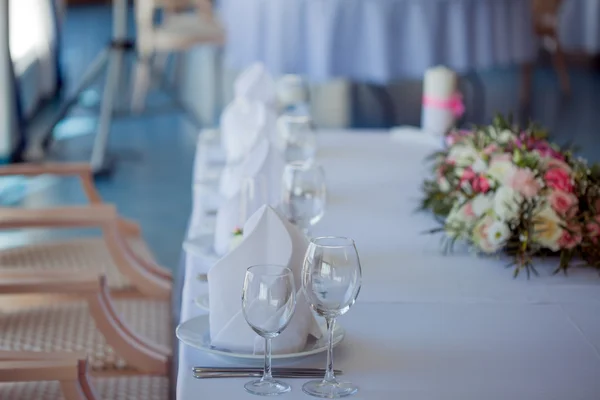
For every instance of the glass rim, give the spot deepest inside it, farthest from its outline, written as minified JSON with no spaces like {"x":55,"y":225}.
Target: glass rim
{"x":283,"y":270}
{"x":347,"y":242}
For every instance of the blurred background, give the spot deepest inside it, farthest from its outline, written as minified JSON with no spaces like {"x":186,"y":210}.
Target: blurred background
{"x":128,"y":88}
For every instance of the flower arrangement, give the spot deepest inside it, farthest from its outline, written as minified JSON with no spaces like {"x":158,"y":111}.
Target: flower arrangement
{"x":505,"y":189}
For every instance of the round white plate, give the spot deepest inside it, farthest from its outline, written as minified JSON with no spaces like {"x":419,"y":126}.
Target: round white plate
{"x":196,"y":333}
{"x":202,"y":246}
{"x":202,"y":302}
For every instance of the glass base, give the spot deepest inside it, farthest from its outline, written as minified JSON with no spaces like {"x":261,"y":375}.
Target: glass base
{"x":267,"y":387}
{"x":329,"y":390}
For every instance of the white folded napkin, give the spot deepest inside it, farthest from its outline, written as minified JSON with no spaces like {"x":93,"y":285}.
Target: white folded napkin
{"x":268,"y":239}
{"x":264,"y":161}
{"x":243,"y":123}
{"x":256,"y":84}
{"x":442,"y":103}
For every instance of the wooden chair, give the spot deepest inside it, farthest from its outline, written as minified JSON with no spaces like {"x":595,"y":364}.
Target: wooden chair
{"x":63,"y":312}
{"x":179,"y":31}
{"x":545,"y":25}
{"x":120,"y":253}
{"x":62,"y":376}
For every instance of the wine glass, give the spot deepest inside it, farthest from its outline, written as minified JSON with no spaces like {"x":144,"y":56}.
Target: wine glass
{"x":254,"y":193}
{"x":331,"y":281}
{"x":268,"y":303}
{"x":299,"y":140}
{"x":304,"y":194}
{"x":292,"y":93}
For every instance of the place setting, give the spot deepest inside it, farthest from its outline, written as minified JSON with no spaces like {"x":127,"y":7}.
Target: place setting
{"x":274,"y":292}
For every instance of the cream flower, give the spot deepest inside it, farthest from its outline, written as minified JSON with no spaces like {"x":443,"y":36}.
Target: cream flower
{"x":501,"y":170}
{"x":482,"y":203}
{"x":505,"y":136}
{"x":481,"y":236}
{"x":507,"y":203}
{"x":463,"y":156}
{"x":497,"y":234}
{"x":479,"y":166}
{"x":547,"y":229}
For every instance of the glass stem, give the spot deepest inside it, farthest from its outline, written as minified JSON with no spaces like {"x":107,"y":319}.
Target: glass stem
{"x":329,"y":375}
{"x":267,"y":376}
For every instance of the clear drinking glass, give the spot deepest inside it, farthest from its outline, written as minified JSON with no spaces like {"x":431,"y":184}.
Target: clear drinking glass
{"x":298,"y":138}
{"x":331,"y":281}
{"x":268,"y":303}
{"x":254,"y":194}
{"x":304,"y":194}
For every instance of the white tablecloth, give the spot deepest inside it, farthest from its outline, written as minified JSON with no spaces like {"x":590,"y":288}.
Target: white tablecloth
{"x":579,"y":25}
{"x":376,"y":40}
{"x":428,"y":326}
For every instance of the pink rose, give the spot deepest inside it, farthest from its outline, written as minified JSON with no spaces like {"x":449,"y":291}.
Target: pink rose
{"x":559,"y":179}
{"x":570,"y":238}
{"x":563,"y":203}
{"x":467,"y":175}
{"x":481,"y":184}
{"x":524,"y":182}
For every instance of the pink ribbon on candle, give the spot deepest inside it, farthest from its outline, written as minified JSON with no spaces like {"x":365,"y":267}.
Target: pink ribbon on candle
{"x":454,"y":104}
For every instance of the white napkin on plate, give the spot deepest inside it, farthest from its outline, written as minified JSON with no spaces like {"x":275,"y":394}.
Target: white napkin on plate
{"x":442,"y":103}
{"x":243,"y":123}
{"x":268,"y":239}
{"x":256,"y":84}
{"x":264,"y":161}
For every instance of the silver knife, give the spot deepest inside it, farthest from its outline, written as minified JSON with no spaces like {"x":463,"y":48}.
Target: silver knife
{"x":260,"y":370}
{"x":276,"y":374}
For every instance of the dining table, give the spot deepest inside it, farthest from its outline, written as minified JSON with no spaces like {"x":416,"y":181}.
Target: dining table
{"x":426,"y":325}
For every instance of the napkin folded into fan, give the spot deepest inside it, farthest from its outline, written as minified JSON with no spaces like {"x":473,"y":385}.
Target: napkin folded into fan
{"x":442,"y":103}
{"x":264,"y":162}
{"x":268,"y":239}
{"x":243,"y":123}
{"x":257,"y":85}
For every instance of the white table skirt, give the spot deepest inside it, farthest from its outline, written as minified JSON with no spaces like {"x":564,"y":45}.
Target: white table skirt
{"x":428,"y":326}
{"x":376,"y":40}
{"x":579,"y":26}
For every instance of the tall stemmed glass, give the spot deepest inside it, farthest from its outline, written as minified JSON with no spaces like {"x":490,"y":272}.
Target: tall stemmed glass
{"x":298,"y":137}
{"x":268,"y":303}
{"x":331,"y":281}
{"x":304,"y":194}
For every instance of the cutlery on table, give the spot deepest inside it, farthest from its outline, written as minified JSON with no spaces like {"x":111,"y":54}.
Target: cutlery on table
{"x":211,"y":372}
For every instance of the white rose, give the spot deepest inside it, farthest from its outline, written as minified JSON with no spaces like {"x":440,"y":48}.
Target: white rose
{"x":497,"y":234}
{"x":479,"y":166}
{"x":501,"y":171}
{"x":507,"y":202}
{"x":481,"y":233}
{"x":505,"y":136}
{"x":444,"y":185}
{"x":463,"y":156}
{"x":482,"y":203}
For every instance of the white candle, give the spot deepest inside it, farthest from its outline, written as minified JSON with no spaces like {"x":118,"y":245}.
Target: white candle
{"x":439,"y":86}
